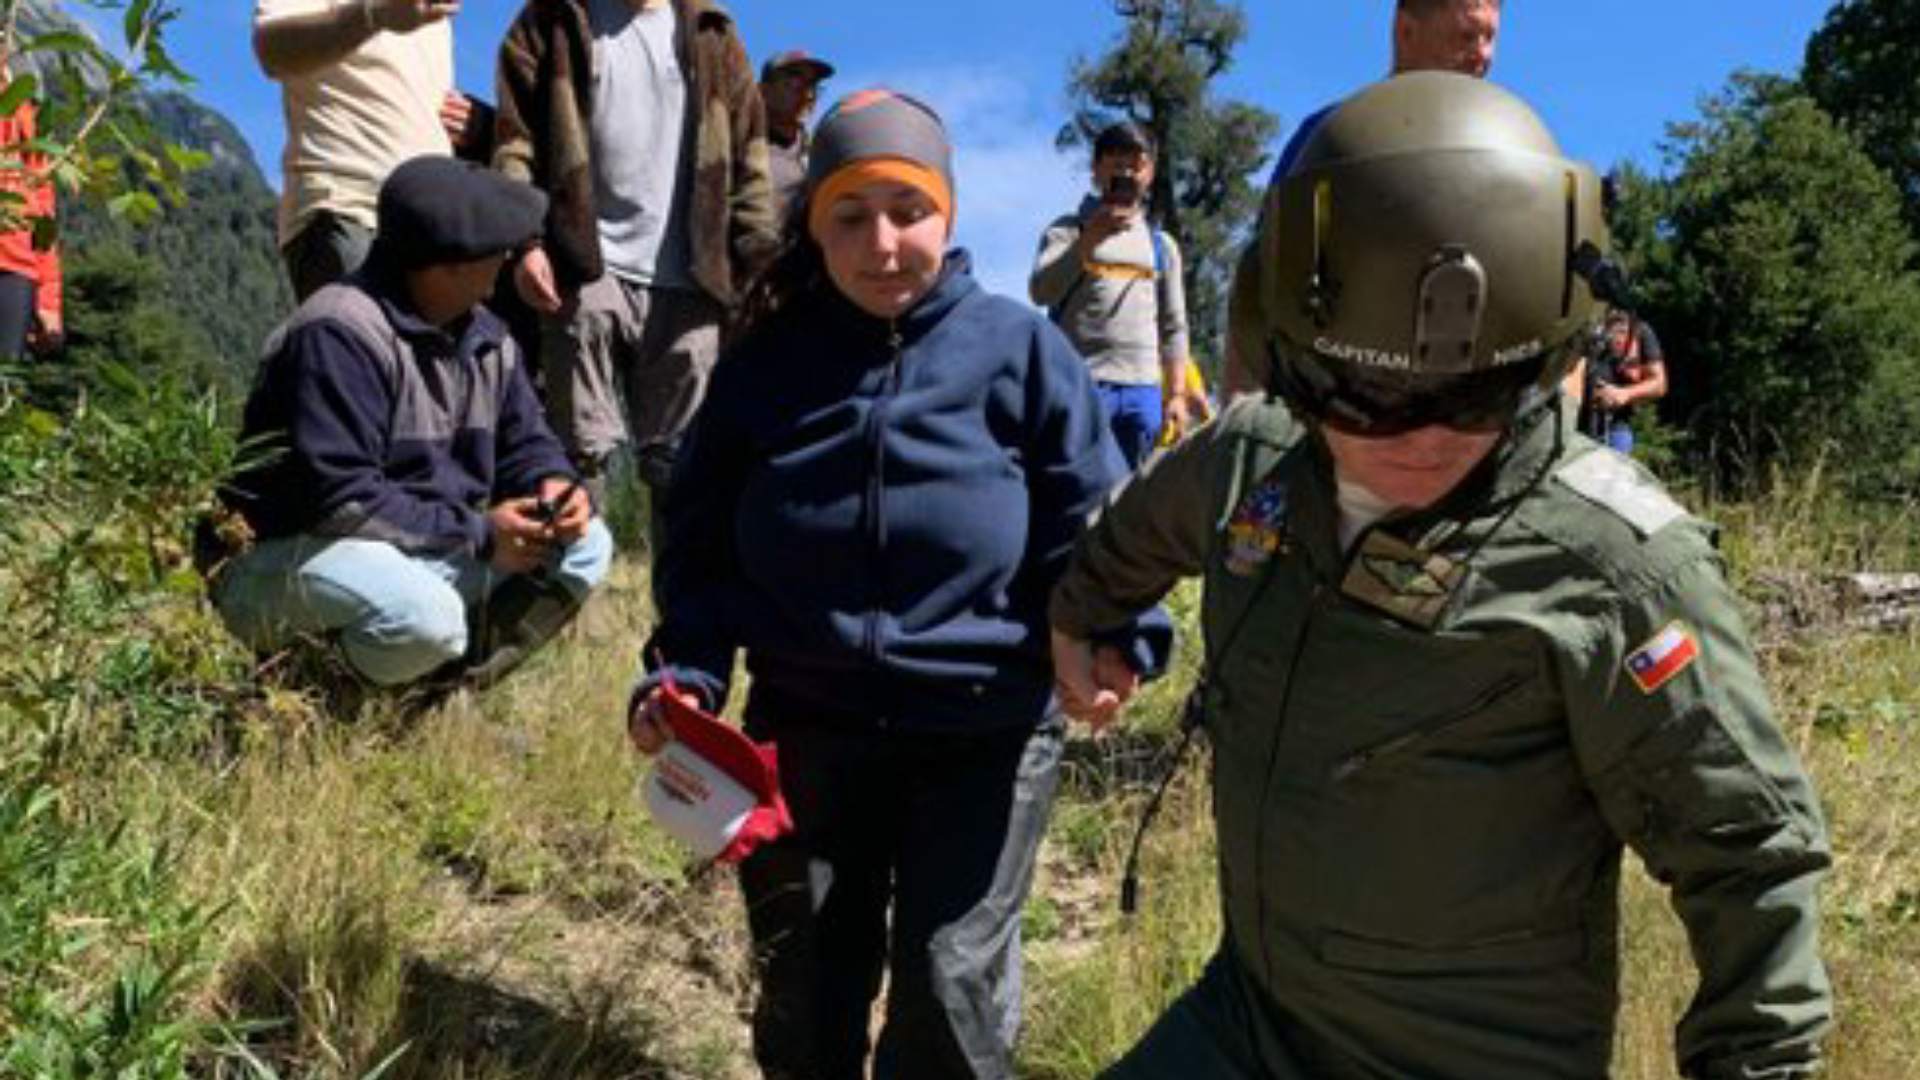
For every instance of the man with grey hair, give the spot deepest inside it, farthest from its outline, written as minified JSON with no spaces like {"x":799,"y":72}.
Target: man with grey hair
{"x":1428,"y":35}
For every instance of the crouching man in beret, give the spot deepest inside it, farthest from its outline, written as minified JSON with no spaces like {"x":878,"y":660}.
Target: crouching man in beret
{"x":406,"y":497}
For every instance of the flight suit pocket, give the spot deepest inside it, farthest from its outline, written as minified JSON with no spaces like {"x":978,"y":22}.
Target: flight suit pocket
{"x":1530,"y":952}
{"x":1429,"y":731}
{"x":1465,"y":823}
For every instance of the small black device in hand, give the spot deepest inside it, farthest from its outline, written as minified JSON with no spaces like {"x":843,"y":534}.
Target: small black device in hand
{"x":1123,"y":190}
{"x":549,"y":509}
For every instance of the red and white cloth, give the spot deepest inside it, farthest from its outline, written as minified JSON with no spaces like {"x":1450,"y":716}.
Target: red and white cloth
{"x":714,"y":789}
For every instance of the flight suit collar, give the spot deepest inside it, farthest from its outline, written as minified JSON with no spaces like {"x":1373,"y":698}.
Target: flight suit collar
{"x":1412,"y":568}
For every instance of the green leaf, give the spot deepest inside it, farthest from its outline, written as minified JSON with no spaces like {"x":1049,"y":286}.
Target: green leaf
{"x":18,"y":92}
{"x":46,"y":232}
{"x":138,"y":207}
{"x":160,"y":64}
{"x":63,"y":41}
{"x":186,"y":159}
{"x":136,"y":21}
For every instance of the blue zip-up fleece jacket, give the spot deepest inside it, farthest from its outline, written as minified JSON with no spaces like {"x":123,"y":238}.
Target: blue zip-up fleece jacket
{"x":877,"y":512}
{"x":377,"y":425}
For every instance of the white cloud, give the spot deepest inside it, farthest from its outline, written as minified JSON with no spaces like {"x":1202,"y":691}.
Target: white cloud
{"x":1011,"y":180}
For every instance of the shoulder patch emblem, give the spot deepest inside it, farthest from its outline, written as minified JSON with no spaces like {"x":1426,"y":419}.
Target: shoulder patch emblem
{"x":1613,"y":483}
{"x":1666,"y":655}
{"x":1257,"y":530}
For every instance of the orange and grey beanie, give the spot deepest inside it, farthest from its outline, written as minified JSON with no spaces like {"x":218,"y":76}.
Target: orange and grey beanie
{"x":879,"y":135}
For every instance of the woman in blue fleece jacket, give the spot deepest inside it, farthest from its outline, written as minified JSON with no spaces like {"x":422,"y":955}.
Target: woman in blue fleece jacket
{"x":884,"y":482}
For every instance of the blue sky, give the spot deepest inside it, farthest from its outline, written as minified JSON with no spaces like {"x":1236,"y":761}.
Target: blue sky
{"x":1608,"y":77}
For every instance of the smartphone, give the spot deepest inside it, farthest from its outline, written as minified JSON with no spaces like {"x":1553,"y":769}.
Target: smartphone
{"x":1123,"y":190}
{"x":550,"y":509}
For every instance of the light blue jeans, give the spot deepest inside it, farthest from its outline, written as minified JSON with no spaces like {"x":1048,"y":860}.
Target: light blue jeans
{"x":397,"y":616}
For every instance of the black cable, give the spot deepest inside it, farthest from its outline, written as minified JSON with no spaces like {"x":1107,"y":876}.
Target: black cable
{"x":1193,"y":712}
{"x":1191,"y":715}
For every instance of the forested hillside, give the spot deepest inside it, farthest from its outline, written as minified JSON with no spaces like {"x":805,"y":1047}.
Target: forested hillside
{"x":210,"y":262}
{"x":200,"y":282}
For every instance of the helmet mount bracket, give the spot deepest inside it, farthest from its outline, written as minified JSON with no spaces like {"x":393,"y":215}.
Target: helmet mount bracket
{"x":1453,"y":290}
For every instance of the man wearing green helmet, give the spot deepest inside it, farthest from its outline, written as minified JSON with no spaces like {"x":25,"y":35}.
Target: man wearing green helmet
{"x":1457,"y":655}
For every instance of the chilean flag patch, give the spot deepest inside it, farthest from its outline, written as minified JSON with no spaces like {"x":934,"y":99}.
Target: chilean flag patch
{"x":1671,"y":651}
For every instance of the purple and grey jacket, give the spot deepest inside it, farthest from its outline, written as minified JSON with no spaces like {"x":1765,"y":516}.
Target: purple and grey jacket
{"x":376,"y":425}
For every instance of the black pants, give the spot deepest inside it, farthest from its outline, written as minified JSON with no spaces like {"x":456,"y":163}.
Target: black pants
{"x":17,"y":293}
{"x":939,"y":831}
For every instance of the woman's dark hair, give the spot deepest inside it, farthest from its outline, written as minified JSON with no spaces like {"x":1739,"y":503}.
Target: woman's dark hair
{"x":799,"y":268}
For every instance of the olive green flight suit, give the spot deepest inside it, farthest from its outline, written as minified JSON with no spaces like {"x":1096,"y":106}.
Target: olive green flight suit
{"x":1429,"y":751}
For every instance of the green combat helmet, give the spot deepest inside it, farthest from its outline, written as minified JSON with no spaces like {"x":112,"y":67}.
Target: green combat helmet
{"x":1427,"y":260}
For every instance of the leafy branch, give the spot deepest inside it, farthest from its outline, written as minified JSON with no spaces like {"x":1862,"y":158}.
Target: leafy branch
{"x":92,"y":140}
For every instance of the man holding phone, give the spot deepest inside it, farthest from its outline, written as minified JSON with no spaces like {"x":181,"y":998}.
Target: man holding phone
{"x":1113,"y":282}
{"x":410,"y":506}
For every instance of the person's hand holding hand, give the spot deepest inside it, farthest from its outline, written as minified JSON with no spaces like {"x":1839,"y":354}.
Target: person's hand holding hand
{"x":1093,"y":684}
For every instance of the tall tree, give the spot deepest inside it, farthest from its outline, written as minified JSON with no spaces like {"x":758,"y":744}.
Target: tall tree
{"x":1783,"y":279}
{"x":1860,"y":67}
{"x":1159,"y":74}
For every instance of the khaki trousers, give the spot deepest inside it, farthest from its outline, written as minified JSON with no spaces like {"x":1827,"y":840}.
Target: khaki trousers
{"x":617,"y":342}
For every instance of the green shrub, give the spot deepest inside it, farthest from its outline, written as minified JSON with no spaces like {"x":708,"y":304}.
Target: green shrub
{"x":98,"y":951}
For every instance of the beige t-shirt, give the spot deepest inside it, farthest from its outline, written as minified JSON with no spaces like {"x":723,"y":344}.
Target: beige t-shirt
{"x":349,"y":124}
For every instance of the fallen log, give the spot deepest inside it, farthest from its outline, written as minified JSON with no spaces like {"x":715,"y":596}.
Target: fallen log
{"x":1798,"y":602}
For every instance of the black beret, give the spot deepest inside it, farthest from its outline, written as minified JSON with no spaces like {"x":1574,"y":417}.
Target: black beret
{"x":437,"y":209}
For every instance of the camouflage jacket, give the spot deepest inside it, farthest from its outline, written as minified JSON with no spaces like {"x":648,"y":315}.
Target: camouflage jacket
{"x":1430,"y":748}
{"x":543,"y":135}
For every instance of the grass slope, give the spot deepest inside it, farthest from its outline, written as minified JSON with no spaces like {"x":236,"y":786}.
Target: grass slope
{"x":232,"y":881}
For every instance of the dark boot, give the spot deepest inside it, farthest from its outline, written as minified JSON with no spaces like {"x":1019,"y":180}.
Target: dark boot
{"x":521,"y":615}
